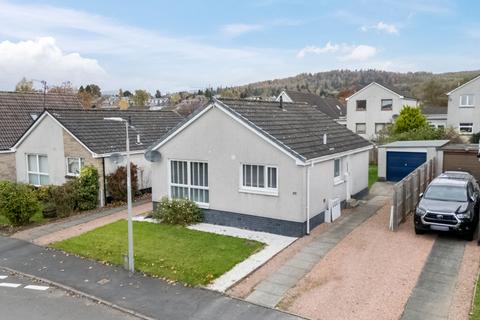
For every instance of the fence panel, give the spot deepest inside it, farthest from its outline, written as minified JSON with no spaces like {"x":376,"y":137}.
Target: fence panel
{"x":406,"y":193}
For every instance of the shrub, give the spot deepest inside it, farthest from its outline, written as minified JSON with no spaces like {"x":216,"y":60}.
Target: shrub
{"x":177,"y":211}
{"x":117,"y":183}
{"x":65,"y":198}
{"x":474,"y":138}
{"x":86,"y":188}
{"x":18,"y":203}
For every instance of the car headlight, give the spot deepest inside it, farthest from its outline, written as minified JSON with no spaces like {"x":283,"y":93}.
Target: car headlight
{"x":464,"y":215}
{"x":420,"y":211}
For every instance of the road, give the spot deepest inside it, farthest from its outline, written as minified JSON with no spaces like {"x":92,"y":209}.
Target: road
{"x":21,"y":298}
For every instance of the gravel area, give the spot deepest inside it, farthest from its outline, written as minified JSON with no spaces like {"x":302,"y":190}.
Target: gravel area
{"x":243,"y":288}
{"x":464,"y":289}
{"x":369,"y":275}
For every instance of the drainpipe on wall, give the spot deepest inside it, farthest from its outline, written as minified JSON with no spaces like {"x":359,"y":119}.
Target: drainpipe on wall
{"x":103,"y":201}
{"x":347,"y":181}
{"x":307,"y":207}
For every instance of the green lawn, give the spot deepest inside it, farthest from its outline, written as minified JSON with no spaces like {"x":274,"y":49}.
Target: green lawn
{"x":372,"y":174}
{"x":173,"y":252}
{"x":476,"y":304}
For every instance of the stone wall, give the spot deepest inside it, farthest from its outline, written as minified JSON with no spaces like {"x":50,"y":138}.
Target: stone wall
{"x":7,"y":167}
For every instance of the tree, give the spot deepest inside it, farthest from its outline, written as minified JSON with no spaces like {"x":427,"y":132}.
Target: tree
{"x":123,"y":103}
{"x":120,"y":93}
{"x":127,"y":93}
{"x":434,"y":94}
{"x":85,"y":99}
{"x":158,"y":94}
{"x":94,"y":90}
{"x":410,"y":118}
{"x":140,"y":98}
{"x":24,"y":85}
{"x":175,"y":99}
{"x":64,"y":88}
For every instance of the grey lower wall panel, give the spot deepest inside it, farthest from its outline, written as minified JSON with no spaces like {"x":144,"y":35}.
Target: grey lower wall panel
{"x":257,"y":223}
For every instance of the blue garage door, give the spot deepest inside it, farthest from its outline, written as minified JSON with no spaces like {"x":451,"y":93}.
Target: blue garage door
{"x":400,"y":164}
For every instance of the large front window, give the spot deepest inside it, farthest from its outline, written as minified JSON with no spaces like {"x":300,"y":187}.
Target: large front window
{"x":259,"y":178}
{"x":74,"y":166}
{"x":466,"y":127}
{"x":387,"y":104}
{"x":37,"y":169}
{"x":189,"y":180}
{"x":467,"y":100}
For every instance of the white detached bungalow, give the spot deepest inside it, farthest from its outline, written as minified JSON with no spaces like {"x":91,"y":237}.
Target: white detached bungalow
{"x":266,"y":166}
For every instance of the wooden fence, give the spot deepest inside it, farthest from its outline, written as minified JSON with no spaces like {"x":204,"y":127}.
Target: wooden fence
{"x":407,"y":191}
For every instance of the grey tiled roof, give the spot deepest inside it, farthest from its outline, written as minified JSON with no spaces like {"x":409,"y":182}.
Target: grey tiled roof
{"x":434,"y":110}
{"x":102,"y":136}
{"x":331,"y":106}
{"x":17,"y":112}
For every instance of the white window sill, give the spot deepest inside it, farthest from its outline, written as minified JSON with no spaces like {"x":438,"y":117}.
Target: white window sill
{"x":71,"y":175}
{"x":466,"y":106}
{"x":203,"y":205}
{"x":337,"y":182}
{"x":266,"y":192}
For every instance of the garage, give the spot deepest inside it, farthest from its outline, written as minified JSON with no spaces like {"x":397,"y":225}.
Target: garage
{"x":461,"y":157}
{"x":401,"y":164}
{"x":398,"y":159}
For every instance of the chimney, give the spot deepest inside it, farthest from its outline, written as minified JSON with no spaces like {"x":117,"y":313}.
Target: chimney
{"x":324,"y":138}
{"x":281,"y":102}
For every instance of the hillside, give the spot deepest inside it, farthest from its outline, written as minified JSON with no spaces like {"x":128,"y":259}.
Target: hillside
{"x":428,"y":87}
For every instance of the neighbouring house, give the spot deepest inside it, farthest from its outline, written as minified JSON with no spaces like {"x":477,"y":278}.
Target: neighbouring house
{"x":463,"y":107}
{"x":331,"y":106}
{"x":61,"y":141}
{"x":436,"y":116}
{"x":269,"y":166}
{"x":373,"y":107}
{"x":398,"y":159}
{"x":18,"y":112}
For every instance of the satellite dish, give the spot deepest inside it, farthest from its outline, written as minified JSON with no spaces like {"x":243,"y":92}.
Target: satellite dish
{"x":116,"y":157}
{"x":153,"y":156}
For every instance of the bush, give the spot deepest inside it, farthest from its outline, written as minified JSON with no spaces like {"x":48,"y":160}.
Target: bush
{"x":117,"y":183}
{"x":64,"y":198}
{"x":474,"y":138}
{"x":86,"y":188}
{"x":177,"y":211}
{"x":18,"y":203}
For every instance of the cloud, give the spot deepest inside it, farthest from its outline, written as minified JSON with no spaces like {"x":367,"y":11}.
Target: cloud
{"x":43,"y":59}
{"x":382,"y":27}
{"x":346,"y":52}
{"x":237,"y":29}
{"x":360,"y":53}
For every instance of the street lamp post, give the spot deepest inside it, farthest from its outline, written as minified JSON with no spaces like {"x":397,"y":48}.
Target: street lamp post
{"x":131,"y":267}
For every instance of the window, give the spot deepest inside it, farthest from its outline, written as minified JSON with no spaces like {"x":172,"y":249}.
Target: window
{"x":360,"y":128}
{"x":189,"y":180}
{"x":361,"y":105}
{"x":379,"y":127}
{"x":259,"y":178}
{"x":37,"y":169}
{"x":466,"y":100}
{"x":336,"y":168}
{"x":466,"y":127}
{"x":387,"y":104}
{"x":74,"y":165}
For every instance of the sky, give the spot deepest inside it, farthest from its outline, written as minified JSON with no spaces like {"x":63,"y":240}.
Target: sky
{"x":191,"y":45}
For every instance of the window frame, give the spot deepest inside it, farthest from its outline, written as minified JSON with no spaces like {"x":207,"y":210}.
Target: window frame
{"x":470,"y":104}
{"x":380,"y":123}
{"x":259,"y":190}
{"x":356,"y":127}
{"x":81,"y":164}
{"x":382,"y":108}
{"x":189,"y":186}
{"x":338,"y":179}
{"x":360,"y":109}
{"x":470,"y":125}
{"x":38,"y":172}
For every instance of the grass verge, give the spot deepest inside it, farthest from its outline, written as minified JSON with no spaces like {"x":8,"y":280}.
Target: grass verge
{"x":167,"y":251}
{"x":475,"y":315}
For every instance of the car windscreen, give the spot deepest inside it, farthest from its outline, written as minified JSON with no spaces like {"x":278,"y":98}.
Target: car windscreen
{"x":446,"y":193}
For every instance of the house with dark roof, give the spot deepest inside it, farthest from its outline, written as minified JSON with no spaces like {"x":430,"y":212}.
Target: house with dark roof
{"x":269,"y":166}
{"x":436,"y":115}
{"x":331,"y":106}
{"x":373,"y":107}
{"x":463,"y":108}
{"x":18,"y":112}
{"x":60,"y":141}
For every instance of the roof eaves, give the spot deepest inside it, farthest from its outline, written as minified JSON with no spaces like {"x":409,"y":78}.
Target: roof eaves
{"x":477,"y":77}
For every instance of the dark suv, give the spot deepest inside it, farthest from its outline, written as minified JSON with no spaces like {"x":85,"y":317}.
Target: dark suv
{"x":450,"y":203}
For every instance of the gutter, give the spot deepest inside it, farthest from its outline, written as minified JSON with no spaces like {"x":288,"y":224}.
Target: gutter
{"x":7,"y":151}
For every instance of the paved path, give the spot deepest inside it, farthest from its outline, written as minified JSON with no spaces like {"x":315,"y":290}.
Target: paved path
{"x":270,"y":291}
{"x":148,"y":296}
{"x":22,"y":298}
{"x":432,"y":296}
{"x":77,"y":225}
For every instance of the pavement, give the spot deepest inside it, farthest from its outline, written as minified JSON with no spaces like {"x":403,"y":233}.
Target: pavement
{"x":147,"y":297}
{"x":432,"y":296}
{"x":272,"y":290}
{"x":78,"y":224}
{"x":22,"y":298}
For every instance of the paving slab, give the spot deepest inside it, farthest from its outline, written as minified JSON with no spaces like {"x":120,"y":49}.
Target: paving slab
{"x":265,"y":293}
{"x":432,"y":296}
